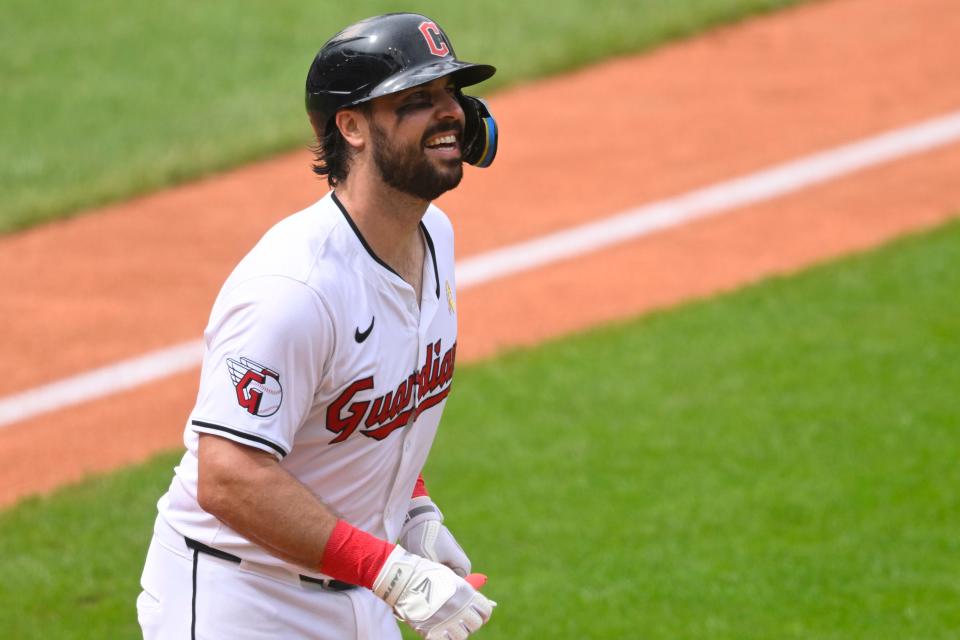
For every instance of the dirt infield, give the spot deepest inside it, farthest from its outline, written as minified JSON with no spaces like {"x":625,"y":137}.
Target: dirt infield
{"x":142,"y":275}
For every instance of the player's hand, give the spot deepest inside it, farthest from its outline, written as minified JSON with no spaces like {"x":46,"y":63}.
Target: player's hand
{"x":425,"y":535}
{"x":430,"y":597}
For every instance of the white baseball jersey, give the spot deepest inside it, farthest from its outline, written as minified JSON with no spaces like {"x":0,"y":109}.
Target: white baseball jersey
{"x":318,"y":353}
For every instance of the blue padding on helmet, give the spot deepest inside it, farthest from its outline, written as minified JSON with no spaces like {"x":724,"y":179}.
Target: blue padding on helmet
{"x":490,"y":145}
{"x":480,"y":134}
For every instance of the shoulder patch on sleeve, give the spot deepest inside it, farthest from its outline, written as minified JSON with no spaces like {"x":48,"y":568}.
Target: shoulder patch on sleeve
{"x":258,"y":387}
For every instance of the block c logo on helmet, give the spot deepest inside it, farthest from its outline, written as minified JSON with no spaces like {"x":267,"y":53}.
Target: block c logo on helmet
{"x":434,"y":37}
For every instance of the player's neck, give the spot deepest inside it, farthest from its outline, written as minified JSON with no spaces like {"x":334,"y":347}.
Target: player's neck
{"x":389,"y":221}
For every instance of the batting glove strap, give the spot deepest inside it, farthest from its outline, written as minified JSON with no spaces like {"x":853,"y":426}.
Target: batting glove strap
{"x":420,"y":510}
{"x":430,"y":598}
{"x":425,"y":535}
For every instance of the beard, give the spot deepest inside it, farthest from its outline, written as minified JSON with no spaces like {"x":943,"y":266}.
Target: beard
{"x":409,"y":170}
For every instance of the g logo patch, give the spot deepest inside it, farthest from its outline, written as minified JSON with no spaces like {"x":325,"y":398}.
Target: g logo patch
{"x":258,"y":387}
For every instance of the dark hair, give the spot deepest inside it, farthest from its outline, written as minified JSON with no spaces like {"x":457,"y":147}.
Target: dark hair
{"x":331,"y":152}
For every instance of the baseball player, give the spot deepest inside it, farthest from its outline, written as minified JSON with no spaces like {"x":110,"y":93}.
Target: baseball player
{"x":298,"y":509}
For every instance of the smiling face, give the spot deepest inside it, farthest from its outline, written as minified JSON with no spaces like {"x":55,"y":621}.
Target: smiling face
{"x":416,"y":136}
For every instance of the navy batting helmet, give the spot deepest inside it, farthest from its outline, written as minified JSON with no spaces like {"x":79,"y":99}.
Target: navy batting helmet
{"x":389,"y":53}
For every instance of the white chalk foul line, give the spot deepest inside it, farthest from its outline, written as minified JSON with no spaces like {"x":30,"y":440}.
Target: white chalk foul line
{"x":719,"y":198}
{"x":716,"y":199}
{"x":101,"y":382}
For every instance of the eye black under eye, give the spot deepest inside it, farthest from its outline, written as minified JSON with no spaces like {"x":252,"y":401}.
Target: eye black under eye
{"x":415,"y":104}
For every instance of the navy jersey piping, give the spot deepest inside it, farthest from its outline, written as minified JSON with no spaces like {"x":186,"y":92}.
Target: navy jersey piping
{"x":360,"y":237}
{"x":433,"y":256}
{"x":240,"y":434}
{"x":363,"y":241}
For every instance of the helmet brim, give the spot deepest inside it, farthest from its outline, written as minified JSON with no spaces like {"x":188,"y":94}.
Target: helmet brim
{"x":464,"y":74}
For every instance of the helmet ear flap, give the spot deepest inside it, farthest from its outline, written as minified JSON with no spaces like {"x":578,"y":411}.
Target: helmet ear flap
{"x":480,"y":134}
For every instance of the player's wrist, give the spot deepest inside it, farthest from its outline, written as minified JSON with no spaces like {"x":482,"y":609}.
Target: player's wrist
{"x":353,"y":555}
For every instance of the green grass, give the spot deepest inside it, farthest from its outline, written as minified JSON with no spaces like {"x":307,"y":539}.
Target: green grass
{"x":71,"y":561}
{"x":106,"y":99}
{"x":777,"y":463}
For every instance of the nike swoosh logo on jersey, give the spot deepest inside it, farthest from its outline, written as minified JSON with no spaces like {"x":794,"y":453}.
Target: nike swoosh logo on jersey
{"x":361,"y":336}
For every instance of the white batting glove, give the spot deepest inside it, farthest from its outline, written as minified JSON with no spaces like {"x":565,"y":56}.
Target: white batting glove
{"x":423,"y":533}
{"x":431,"y":598}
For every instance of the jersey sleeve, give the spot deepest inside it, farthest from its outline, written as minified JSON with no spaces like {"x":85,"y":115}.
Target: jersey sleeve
{"x":266,"y":349}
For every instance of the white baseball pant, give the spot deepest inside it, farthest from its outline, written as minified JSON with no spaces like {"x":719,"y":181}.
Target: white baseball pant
{"x":191,"y":594}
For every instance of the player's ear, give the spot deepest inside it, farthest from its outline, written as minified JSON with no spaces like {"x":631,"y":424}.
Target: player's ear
{"x":352,"y":126}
